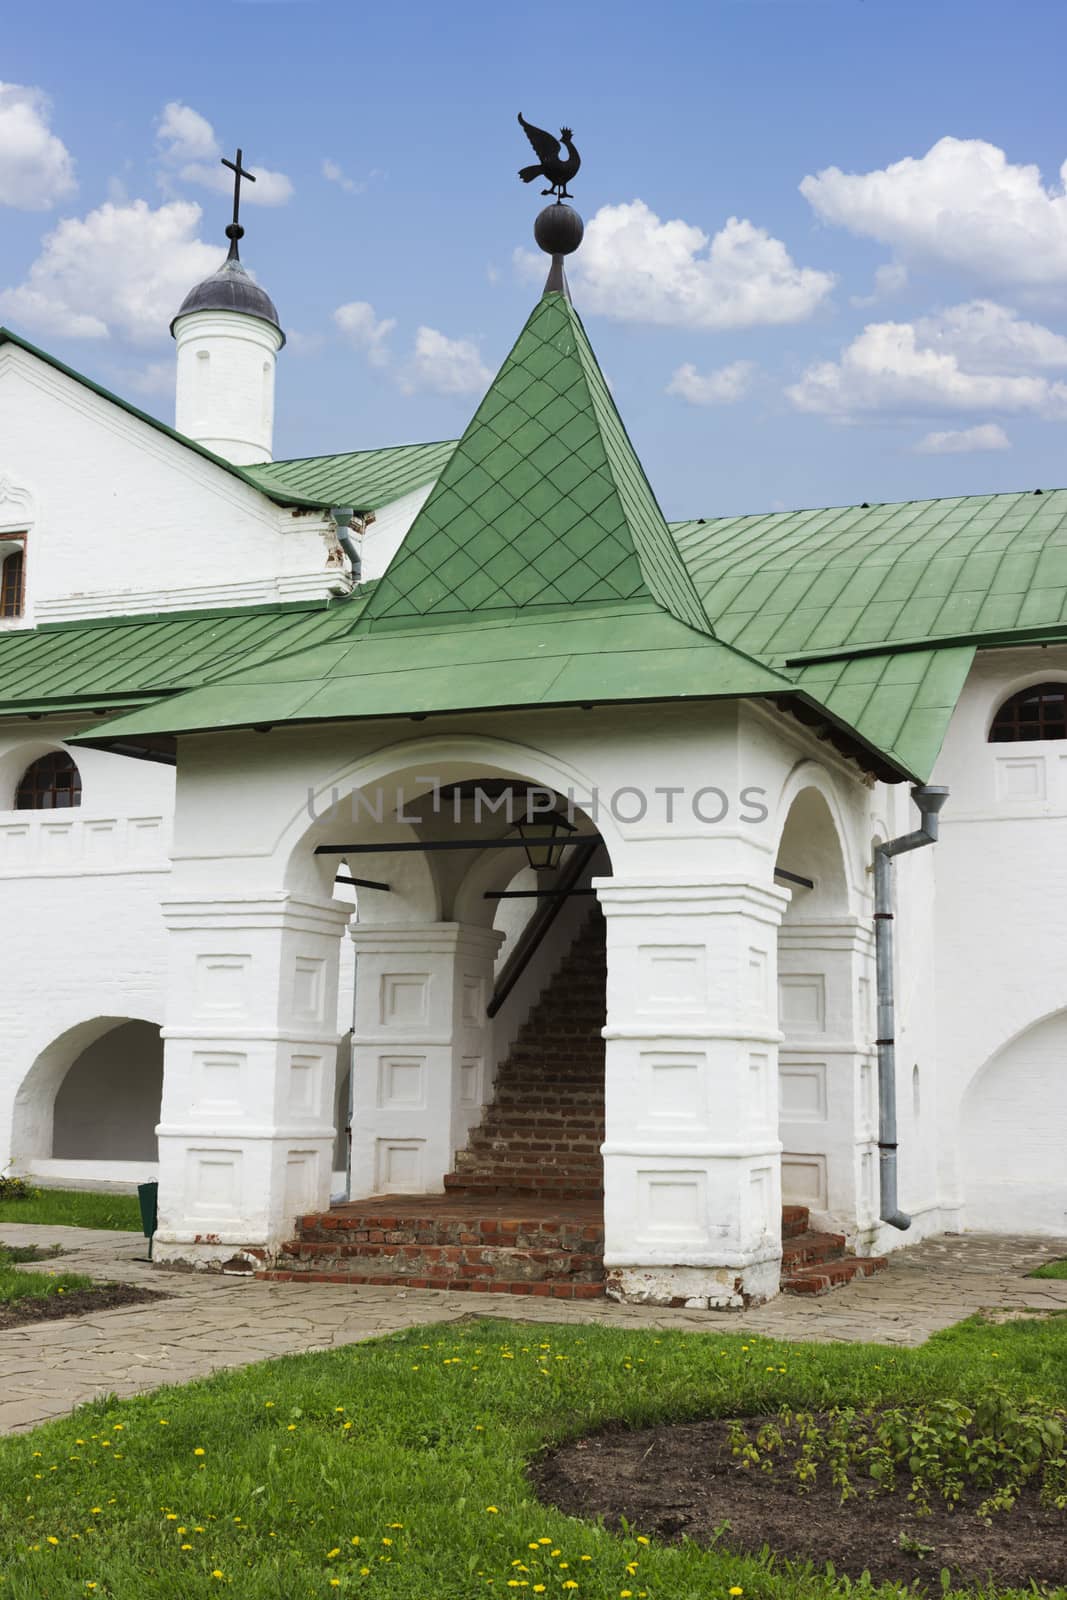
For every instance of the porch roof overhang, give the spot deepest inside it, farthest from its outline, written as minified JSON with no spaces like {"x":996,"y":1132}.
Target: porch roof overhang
{"x":590,"y":656}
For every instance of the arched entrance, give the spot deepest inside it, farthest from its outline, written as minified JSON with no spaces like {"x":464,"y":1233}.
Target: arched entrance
{"x":827,"y":1065}
{"x":1012,"y":1134}
{"x":89,"y":1106}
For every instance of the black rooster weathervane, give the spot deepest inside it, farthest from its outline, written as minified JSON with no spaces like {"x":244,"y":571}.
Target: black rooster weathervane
{"x":558,"y":228}
{"x":557,"y":171}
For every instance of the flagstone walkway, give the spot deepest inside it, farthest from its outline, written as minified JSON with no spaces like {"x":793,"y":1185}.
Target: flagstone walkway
{"x":209,"y":1322}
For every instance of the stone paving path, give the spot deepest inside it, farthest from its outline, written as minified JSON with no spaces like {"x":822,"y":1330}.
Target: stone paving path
{"x":209,"y":1322}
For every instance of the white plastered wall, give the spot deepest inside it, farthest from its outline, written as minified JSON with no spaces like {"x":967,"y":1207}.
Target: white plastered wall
{"x":999,"y":957}
{"x":124,"y":519}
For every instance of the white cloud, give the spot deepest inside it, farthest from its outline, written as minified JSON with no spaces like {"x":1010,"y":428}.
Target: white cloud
{"x":121,"y":270}
{"x":887,"y":368}
{"x":445,"y":366}
{"x":190,"y":151}
{"x":889,"y":279}
{"x":361,"y":325}
{"x":36,"y":169}
{"x":959,"y":441}
{"x":962,"y":205}
{"x":637,"y":268}
{"x":156,"y":378}
{"x":992,"y":338}
{"x":333,"y":172}
{"x":721,"y":387}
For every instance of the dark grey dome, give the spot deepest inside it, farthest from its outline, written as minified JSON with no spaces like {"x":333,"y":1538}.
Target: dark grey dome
{"x":230,"y":289}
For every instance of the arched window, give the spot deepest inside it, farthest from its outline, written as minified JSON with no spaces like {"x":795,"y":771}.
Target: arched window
{"x":12,"y":577}
{"x":51,"y":784}
{"x":1039,"y":712}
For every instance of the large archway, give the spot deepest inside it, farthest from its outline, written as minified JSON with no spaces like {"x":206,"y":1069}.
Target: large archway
{"x":1012,"y":1125}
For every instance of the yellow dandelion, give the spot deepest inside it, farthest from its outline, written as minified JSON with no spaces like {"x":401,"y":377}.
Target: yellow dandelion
{"x":492,"y":1510}
{"x":641,"y":1539}
{"x":364,"y":1572}
{"x":199,"y":1451}
{"x":735,"y":1590}
{"x":172,"y":1516}
{"x":331,"y":1553}
{"x":52,"y":1539}
{"x":94,"y":1511}
{"x":387,"y":1541}
{"x":217,"y":1573}
{"x":346,"y":1424}
{"x":186,"y":1547}
{"x":355,"y":1539}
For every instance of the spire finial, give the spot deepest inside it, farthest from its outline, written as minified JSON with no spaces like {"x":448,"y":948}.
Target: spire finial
{"x":558,"y":229}
{"x":234,"y":231}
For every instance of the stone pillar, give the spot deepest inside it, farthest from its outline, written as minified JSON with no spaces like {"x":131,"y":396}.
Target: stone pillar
{"x":828,"y":1070}
{"x":692,"y":1191}
{"x":421,"y":1064}
{"x":246,"y":1136}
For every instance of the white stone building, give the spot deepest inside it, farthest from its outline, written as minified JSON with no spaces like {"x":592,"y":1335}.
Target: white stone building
{"x":212,"y":664}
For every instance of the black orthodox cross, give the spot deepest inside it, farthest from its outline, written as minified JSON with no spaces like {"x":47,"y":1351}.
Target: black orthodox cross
{"x":235,"y":231}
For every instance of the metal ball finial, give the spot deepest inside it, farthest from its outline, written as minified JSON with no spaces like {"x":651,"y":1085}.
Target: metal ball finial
{"x":558,"y":229}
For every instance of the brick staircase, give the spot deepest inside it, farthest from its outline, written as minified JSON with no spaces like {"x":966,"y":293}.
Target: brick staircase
{"x":523,"y":1211}
{"x":815,"y":1263}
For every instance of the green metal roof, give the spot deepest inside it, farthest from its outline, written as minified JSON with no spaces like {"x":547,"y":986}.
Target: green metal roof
{"x":543,"y":502}
{"x":604,"y":653}
{"x":899,"y":703}
{"x":802,"y":584}
{"x":121,"y":661}
{"x":365,"y":479}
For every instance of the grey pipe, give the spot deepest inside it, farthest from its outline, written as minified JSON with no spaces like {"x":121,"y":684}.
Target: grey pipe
{"x":343,"y":517}
{"x":929,"y":798}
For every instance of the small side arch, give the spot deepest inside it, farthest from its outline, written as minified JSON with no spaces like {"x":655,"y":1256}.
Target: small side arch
{"x":34,"y":1120}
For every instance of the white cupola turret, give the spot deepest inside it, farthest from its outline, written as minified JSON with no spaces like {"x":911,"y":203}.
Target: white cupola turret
{"x":228,"y":337}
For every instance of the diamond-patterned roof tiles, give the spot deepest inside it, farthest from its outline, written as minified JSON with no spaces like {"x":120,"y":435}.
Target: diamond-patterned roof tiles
{"x":543,"y":502}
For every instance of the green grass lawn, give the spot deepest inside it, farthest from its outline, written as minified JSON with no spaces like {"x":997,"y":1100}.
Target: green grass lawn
{"x":17,"y":1285}
{"x":74,"y":1208}
{"x":395,"y":1468}
{"x":1050,"y":1269}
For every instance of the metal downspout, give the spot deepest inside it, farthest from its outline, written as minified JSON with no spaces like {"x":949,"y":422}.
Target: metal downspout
{"x":929,"y":798}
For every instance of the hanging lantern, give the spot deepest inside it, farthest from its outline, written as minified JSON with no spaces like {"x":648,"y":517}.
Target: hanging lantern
{"x":545,"y":838}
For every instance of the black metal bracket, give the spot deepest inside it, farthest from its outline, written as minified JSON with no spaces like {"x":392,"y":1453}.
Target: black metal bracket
{"x":361,"y":883}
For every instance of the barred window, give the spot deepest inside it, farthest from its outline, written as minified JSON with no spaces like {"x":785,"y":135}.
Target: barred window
{"x":52,"y":783}
{"x":1039,"y":712}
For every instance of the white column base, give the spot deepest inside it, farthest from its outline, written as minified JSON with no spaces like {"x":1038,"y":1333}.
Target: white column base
{"x":696,"y":1288}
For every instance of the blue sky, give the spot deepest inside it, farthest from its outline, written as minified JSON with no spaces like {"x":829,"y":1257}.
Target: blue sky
{"x":891,"y":332}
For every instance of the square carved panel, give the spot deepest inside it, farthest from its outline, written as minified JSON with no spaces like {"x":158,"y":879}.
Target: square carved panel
{"x":401,"y":1082}
{"x":672,"y":978}
{"x":221,"y":985}
{"x":405,"y":998}
{"x":671,"y":1207}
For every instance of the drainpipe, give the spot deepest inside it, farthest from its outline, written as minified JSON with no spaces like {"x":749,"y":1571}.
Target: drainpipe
{"x":929,"y":798}
{"x":343,"y":518}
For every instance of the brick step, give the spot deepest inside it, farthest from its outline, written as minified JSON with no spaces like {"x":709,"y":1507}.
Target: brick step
{"x":532,"y":1123}
{"x":527,"y":1153}
{"x":795,"y":1220}
{"x":535,"y":1080}
{"x":564,"y":1289}
{"x":550,"y":1094}
{"x":452,"y":1261}
{"x":495,"y":1144}
{"x":522,"y":1186}
{"x":819,"y":1277}
{"x":803,"y":1248}
{"x":348,"y":1233}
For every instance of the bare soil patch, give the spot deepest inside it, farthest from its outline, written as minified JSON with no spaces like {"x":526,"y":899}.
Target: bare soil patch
{"x":74,"y":1303}
{"x":681,"y":1480}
